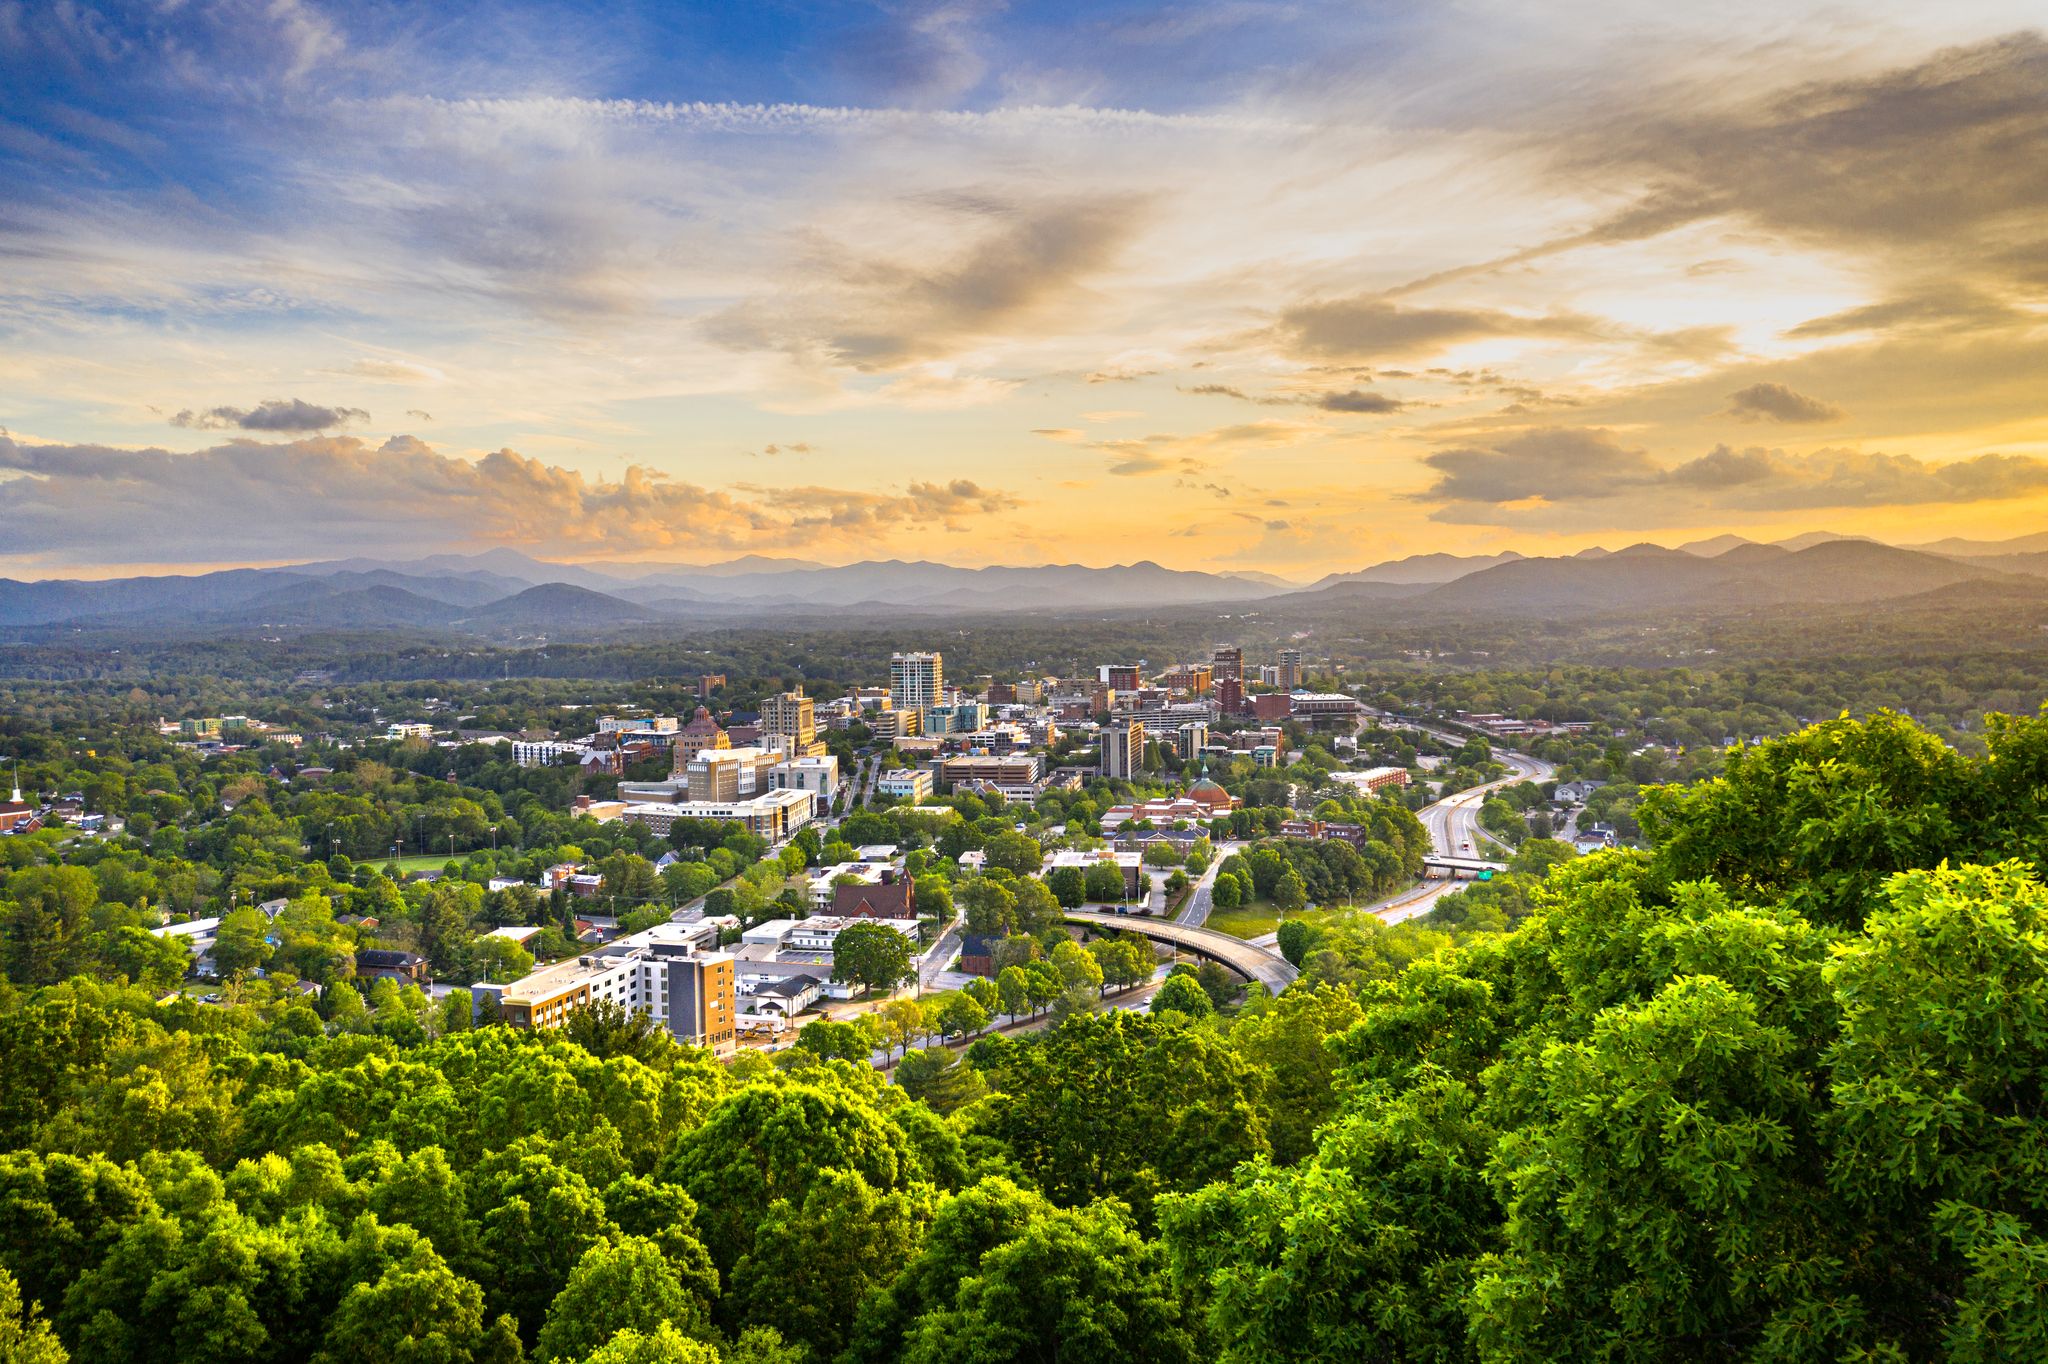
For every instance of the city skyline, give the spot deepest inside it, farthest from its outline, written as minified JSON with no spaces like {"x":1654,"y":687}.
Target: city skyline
{"x":1289,"y":288}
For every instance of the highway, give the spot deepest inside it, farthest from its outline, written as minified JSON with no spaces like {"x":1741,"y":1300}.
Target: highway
{"x":1252,"y":962}
{"x":1453,"y":824}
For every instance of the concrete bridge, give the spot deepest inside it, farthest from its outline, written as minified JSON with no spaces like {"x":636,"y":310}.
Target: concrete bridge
{"x":1270,"y":969}
{"x":1459,"y":868}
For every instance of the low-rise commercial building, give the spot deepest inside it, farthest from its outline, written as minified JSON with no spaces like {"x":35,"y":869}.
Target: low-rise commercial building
{"x":913,"y":784}
{"x":773,"y":815}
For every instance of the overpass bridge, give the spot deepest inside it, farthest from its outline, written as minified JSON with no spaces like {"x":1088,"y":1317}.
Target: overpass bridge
{"x":1445,"y":864}
{"x":1270,"y":969}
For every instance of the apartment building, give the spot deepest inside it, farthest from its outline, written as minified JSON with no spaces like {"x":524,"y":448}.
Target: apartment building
{"x":541,"y":752}
{"x":1191,"y":738}
{"x":686,"y":989}
{"x":916,"y":681}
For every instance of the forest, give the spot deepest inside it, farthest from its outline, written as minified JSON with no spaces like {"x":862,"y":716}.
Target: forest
{"x":1770,"y":1089}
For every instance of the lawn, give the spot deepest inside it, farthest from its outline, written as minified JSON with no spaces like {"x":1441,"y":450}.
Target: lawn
{"x":419,"y":862}
{"x":1257,"y":920}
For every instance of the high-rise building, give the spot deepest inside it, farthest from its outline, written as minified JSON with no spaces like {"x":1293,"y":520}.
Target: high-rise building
{"x":1121,"y":676}
{"x":1229,"y":695}
{"x":1290,"y":669}
{"x":1123,"y":749}
{"x":1227,"y":663}
{"x":915,"y":681}
{"x":1194,"y":736}
{"x":792,"y":716}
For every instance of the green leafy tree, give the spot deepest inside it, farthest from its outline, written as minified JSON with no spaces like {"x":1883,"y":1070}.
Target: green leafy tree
{"x":872,"y":956}
{"x":623,"y":1283}
{"x":1181,"y":994}
{"x":25,"y":1338}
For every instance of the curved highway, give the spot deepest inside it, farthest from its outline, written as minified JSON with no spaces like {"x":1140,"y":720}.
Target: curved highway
{"x":1267,"y":967}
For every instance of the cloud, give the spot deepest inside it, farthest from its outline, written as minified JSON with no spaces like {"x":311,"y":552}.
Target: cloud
{"x":1554,"y":464}
{"x":875,"y":313}
{"x":1067,"y":434}
{"x":1935,"y":165}
{"x":1354,"y":401}
{"x":394,"y":371}
{"x":417,"y":412}
{"x":1565,"y":477}
{"x":272,"y":414}
{"x":1365,"y":328}
{"x":1771,"y":402}
{"x":334,"y":495}
{"x":794,"y":447}
{"x":1189,"y":454}
{"x":1359,"y":400}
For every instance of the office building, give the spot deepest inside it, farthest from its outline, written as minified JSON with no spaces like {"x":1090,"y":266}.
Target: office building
{"x":916,"y":681}
{"x":817,"y":774}
{"x":1194,"y":737}
{"x":1227,"y":663}
{"x":1121,"y":677}
{"x":913,"y":784}
{"x":773,"y":815}
{"x":1123,"y":749}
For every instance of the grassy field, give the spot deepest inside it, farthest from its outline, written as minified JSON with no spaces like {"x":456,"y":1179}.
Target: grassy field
{"x":419,"y":862}
{"x":1255,"y":921}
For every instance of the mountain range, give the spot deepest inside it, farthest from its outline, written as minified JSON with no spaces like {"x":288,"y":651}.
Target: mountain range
{"x":506,"y":592}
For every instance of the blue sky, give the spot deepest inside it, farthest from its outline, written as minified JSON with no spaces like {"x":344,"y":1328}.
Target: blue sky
{"x":1236,"y":284}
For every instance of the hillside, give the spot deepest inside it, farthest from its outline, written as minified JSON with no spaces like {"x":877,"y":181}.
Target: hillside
{"x":556,"y":606}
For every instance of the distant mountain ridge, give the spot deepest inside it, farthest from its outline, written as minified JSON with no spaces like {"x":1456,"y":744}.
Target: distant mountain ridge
{"x":505,"y":590}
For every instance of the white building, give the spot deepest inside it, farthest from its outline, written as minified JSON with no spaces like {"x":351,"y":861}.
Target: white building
{"x":542,"y":752}
{"x":773,"y":815}
{"x":818,"y":775}
{"x":409,"y":729}
{"x":820,"y":932}
{"x":913,"y":784}
{"x":917,"y":681}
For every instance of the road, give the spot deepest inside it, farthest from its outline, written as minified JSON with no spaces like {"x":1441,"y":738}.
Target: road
{"x":1195,"y":912}
{"x":1267,"y":967}
{"x":1453,"y":824}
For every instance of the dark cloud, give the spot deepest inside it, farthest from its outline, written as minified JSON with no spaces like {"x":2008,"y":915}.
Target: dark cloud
{"x":1359,"y":400}
{"x":1940,"y":166}
{"x":1558,"y":463}
{"x":884,"y":314}
{"x":1367,"y":327}
{"x":272,"y":414}
{"x":416,"y":412}
{"x":254,"y":500}
{"x":1770,"y":402}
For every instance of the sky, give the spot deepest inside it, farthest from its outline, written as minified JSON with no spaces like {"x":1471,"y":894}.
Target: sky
{"x":1229,"y":285}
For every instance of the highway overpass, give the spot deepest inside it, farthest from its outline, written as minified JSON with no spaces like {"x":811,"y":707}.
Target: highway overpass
{"x":1270,"y":969}
{"x":1459,"y":867}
